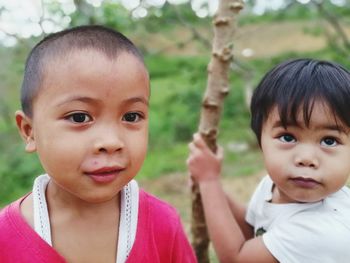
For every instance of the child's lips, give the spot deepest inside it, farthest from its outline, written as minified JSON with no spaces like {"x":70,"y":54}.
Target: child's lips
{"x":104,"y":174}
{"x":305,"y":182}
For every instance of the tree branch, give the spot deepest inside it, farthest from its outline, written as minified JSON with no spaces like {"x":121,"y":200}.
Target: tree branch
{"x":217,"y":89}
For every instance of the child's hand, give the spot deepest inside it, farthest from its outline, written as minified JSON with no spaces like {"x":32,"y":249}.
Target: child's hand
{"x":203,"y":164}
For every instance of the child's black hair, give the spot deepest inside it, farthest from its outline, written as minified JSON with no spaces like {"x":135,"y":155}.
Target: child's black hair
{"x":296,"y":85}
{"x":61,"y":44}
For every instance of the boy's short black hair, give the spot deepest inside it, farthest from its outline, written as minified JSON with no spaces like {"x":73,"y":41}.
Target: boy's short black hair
{"x":105,"y":40}
{"x":296,"y":85}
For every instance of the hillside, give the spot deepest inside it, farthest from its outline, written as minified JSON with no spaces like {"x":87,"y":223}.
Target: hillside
{"x":264,"y":39}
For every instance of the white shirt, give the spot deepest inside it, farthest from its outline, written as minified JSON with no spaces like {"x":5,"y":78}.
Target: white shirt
{"x":302,"y":232}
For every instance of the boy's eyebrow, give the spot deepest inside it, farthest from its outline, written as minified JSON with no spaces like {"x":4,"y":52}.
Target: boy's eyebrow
{"x":279,"y":123}
{"x":95,"y":101}
{"x":137,"y":99}
{"x":332,"y":127}
{"x":77,"y":98}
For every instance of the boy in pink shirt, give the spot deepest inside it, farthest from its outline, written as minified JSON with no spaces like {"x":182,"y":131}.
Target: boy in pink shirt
{"x":85,"y":98}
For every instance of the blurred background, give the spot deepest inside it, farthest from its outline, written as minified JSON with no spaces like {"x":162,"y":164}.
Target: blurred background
{"x":175,"y":37}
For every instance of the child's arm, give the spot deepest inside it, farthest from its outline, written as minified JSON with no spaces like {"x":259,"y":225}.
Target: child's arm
{"x":197,"y":165}
{"x":225,"y":219}
{"x":239,"y":212}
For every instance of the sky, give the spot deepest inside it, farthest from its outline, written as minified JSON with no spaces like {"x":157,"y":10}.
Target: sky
{"x":22,"y":17}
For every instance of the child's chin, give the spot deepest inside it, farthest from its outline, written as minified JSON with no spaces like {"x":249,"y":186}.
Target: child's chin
{"x":98,"y":199}
{"x":309,"y":199}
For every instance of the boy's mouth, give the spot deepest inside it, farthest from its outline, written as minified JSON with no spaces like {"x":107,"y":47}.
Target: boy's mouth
{"x":104,"y":174}
{"x":305,"y":182}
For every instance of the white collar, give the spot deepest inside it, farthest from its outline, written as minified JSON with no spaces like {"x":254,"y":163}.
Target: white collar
{"x":129,"y":203}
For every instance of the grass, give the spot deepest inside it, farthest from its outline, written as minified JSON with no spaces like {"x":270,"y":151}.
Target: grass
{"x":164,"y":161}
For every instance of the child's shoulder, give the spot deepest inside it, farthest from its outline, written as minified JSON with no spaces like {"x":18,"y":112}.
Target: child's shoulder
{"x":160,"y":236}
{"x":11,"y":217}
{"x":11,"y":222}
{"x":9,"y":211}
{"x":338,"y":205}
{"x":155,"y":206}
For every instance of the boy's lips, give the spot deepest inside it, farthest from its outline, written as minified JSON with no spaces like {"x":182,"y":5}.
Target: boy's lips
{"x":104,"y":174}
{"x":305,"y":182}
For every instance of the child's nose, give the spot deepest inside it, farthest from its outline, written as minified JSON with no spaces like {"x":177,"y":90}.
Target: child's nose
{"x":108,"y":141}
{"x":306,"y":156}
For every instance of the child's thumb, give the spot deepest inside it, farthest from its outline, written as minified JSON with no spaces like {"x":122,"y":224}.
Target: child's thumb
{"x":220,"y":153}
{"x":198,"y":140}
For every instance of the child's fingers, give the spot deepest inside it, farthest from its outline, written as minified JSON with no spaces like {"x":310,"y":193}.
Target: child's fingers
{"x":198,"y":141}
{"x":220,"y":153}
{"x":193,"y":148}
{"x":198,"y":146}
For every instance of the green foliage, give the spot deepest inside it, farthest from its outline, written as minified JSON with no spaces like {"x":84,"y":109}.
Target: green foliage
{"x":12,"y":60}
{"x":110,"y":14}
{"x":295,"y":12}
{"x":177,"y":87}
{"x":165,"y":18}
{"x":164,"y":160}
{"x":17,"y":169}
{"x":338,"y":10}
{"x":176,"y":92}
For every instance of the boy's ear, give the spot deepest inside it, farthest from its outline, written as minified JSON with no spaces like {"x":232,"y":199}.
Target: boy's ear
{"x":25,"y":128}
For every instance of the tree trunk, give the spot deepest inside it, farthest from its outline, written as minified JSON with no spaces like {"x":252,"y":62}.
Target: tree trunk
{"x":217,"y":89}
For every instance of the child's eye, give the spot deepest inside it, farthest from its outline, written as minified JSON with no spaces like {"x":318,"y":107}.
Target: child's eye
{"x":329,"y":142}
{"x":287,"y":138}
{"x":132,"y":117}
{"x":79,"y":117}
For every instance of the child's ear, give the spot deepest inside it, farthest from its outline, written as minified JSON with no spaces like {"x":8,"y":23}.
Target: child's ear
{"x":25,"y":128}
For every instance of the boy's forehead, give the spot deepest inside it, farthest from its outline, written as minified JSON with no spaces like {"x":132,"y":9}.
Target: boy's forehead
{"x":90,"y":66}
{"x":76,"y":55}
{"x":78,"y":60}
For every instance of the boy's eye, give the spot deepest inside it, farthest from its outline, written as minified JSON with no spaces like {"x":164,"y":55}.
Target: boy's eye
{"x":132,"y":117}
{"x":329,"y":142}
{"x":79,"y":117}
{"x":287,"y":138}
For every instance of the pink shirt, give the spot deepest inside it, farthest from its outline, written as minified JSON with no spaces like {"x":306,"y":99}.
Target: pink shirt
{"x":159,"y":238}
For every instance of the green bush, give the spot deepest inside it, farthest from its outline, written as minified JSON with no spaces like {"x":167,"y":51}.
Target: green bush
{"x":177,"y":87}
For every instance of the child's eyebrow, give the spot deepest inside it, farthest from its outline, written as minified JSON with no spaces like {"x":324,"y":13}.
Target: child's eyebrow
{"x":332,"y":127}
{"x":279,"y":124}
{"x":77,"y":98}
{"x":136,"y":99}
{"x":96,"y":101}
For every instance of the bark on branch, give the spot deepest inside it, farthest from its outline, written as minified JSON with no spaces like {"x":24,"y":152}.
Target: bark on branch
{"x":217,"y":89}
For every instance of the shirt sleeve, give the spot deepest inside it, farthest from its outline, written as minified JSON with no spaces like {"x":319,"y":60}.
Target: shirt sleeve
{"x":257,"y":199}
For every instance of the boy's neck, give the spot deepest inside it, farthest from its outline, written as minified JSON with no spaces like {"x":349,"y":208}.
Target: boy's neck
{"x":60,"y":200}
{"x":82,"y":231}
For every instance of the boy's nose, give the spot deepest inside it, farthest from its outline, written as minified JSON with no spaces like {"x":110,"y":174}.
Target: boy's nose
{"x":306,"y":157}
{"x":108,"y":142}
